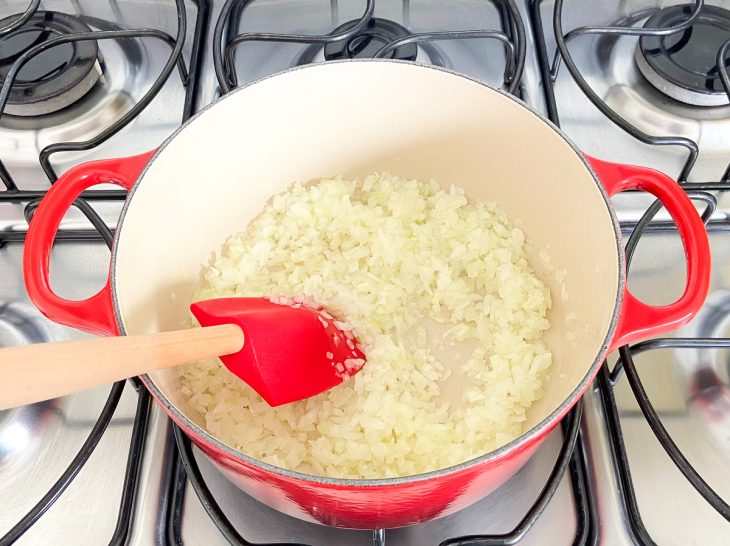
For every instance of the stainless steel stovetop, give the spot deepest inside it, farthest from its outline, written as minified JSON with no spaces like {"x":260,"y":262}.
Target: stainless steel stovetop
{"x":139,"y":486}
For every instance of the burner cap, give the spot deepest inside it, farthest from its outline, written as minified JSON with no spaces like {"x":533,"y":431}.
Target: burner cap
{"x":55,"y":78}
{"x":683,"y":65}
{"x":368,"y":42}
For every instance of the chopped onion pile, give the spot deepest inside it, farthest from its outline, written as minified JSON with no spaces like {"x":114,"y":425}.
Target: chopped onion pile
{"x":439,"y":293}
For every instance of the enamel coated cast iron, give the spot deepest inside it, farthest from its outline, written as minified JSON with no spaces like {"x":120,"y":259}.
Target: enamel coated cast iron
{"x":217,"y":172}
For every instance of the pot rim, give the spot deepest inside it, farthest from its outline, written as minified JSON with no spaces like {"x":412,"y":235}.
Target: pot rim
{"x":516,"y":445}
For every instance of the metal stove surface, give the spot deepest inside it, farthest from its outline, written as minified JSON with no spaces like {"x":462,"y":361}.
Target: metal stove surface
{"x":695,"y":414}
{"x":37,"y":442}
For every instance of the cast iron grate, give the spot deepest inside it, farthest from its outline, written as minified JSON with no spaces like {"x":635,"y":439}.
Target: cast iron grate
{"x":571,"y":456}
{"x":226,"y":40}
{"x":183,"y":461}
{"x":11,"y":193}
{"x":698,"y":192}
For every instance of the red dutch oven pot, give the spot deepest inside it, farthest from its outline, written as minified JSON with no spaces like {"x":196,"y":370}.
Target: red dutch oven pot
{"x":211,"y":177}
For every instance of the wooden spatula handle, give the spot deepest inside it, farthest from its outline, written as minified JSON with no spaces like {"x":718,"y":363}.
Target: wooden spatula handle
{"x":31,"y":373}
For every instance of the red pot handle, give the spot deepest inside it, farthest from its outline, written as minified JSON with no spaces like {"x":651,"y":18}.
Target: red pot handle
{"x":94,"y":314}
{"x":639,"y":320}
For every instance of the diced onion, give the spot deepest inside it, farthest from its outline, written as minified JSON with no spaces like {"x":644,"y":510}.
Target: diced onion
{"x":418,"y":275}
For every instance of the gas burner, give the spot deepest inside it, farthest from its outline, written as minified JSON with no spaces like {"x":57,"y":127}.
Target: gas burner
{"x":683,"y":65}
{"x":55,"y":78}
{"x":377,"y":34}
{"x":369,"y":41}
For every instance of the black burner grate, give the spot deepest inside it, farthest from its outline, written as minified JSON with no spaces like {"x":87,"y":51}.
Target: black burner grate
{"x":55,"y":78}
{"x":181,"y":464}
{"x":114,"y":33}
{"x":683,"y":65}
{"x":349,"y":39}
{"x":377,"y":34}
{"x":512,"y":35}
{"x":571,"y":457}
{"x":698,"y":192}
{"x":355,"y":34}
{"x":32,"y":198}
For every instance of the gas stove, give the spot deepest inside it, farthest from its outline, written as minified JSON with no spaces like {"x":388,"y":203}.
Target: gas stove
{"x":644,"y":458}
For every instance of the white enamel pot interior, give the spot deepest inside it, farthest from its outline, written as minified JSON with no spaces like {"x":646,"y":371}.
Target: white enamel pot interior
{"x":352,"y":118}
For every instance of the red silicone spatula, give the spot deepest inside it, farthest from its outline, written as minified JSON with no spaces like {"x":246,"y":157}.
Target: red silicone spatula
{"x":285,"y":351}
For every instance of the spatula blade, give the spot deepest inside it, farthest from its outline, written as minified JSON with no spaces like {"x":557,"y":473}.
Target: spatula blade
{"x":289,"y":353}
